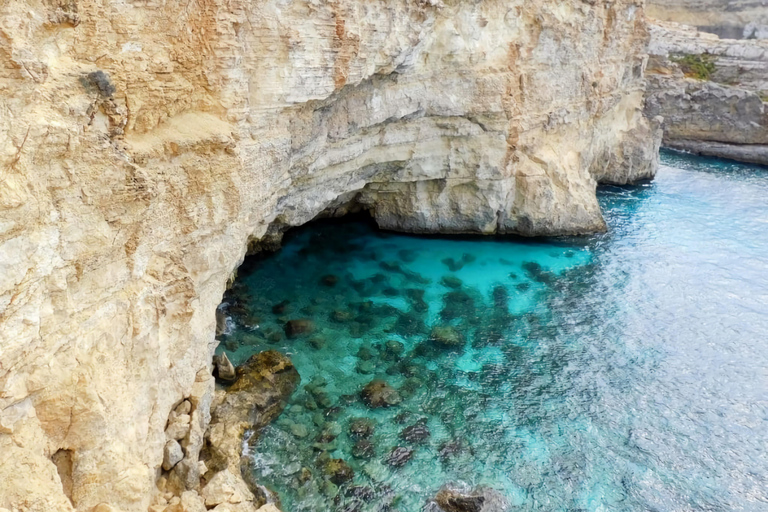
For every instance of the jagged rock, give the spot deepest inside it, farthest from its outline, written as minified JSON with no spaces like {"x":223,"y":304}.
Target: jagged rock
{"x":264,"y":384}
{"x":710,"y":92}
{"x":378,"y":393}
{"x":179,"y":428}
{"x":172,"y":454}
{"x":225,"y":487}
{"x":224,"y":367}
{"x":192,"y":502}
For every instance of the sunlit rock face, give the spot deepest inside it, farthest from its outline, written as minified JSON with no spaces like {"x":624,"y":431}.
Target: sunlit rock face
{"x":711,"y":92}
{"x":731,"y":19}
{"x":143,"y":145}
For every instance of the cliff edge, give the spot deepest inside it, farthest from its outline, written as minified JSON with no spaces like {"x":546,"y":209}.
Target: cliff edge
{"x":144,"y":145}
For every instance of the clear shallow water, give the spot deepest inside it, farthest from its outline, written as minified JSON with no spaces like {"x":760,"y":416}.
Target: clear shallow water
{"x":625,"y":371}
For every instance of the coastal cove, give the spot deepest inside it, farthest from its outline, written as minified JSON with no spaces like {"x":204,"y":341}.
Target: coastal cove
{"x":623,"y":370}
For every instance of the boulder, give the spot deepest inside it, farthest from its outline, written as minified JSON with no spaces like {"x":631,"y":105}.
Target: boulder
{"x":415,"y":434}
{"x":446,"y":336}
{"x":225,"y":487}
{"x":399,"y":456}
{"x":361,"y":427}
{"x":338,"y":471}
{"x":172,"y":454}
{"x":299,"y":327}
{"x":378,"y":393}
{"x":363,"y":449}
{"x":480,"y":499}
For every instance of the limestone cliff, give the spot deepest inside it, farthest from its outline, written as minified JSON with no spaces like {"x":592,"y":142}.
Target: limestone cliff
{"x":145,"y":144}
{"x":711,"y":92}
{"x":731,"y":19}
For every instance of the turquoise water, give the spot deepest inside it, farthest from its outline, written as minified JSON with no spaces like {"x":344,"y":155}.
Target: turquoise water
{"x":623,"y":371}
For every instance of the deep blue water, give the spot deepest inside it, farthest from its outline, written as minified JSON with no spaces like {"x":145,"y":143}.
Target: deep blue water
{"x":623,"y":371}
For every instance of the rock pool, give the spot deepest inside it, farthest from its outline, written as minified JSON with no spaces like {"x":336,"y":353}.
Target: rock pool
{"x":622,"y":371}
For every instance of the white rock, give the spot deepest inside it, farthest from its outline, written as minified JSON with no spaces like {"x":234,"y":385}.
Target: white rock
{"x":225,"y":487}
{"x":172,"y":454}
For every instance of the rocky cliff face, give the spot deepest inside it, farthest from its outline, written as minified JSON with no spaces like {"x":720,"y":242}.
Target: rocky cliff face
{"x":711,"y":92}
{"x":145,"y":144}
{"x":731,"y":19}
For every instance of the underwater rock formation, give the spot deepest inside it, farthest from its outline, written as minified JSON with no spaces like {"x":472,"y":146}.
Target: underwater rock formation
{"x":711,"y":92}
{"x":145,"y":145}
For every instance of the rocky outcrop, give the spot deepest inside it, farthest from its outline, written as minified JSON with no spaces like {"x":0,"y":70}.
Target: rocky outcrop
{"x":145,"y":145}
{"x":256,"y":397}
{"x":711,"y":92}
{"x":732,"y":19}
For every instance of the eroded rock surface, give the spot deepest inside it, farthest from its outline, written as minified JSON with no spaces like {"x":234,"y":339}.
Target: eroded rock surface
{"x":732,"y":19}
{"x":144,"y":146}
{"x":711,"y":92}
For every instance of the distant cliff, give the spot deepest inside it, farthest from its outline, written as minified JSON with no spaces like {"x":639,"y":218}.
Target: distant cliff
{"x":730,"y":19}
{"x":711,"y":92}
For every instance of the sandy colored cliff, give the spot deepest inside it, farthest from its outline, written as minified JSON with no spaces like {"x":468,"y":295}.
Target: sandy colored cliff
{"x":145,"y":144}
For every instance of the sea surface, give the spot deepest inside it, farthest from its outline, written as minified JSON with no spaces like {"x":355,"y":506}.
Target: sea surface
{"x":626,"y":371}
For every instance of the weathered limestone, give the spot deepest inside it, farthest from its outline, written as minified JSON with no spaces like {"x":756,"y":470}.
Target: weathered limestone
{"x":143,"y":146}
{"x":733,"y":19}
{"x":717,"y":110}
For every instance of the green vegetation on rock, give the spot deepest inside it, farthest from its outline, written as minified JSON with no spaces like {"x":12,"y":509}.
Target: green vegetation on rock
{"x":699,"y":67}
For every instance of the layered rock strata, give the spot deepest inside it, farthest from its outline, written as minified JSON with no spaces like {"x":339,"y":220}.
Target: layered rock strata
{"x":144,"y":145}
{"x":711,"y":92}
{"x":731,"y":19}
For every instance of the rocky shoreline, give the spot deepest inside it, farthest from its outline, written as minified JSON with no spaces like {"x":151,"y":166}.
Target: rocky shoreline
{"x":145,"y":146}
{"x":712,"y":93}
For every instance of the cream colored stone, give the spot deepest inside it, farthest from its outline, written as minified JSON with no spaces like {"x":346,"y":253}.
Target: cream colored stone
{"x":145,"y":145}
{"x":225,"y":487}
{"x":192,"y":502}
{"x":172,"y":454}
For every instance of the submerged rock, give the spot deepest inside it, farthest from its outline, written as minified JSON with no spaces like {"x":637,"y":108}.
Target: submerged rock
{"x":452,"y":282}
{"x":363,"y":449}
{"x":446,"y":336}
{"x":338,"y":471}
{"x":458,"y":304}
{"x":329,"y":280}
{"x":416,"y":434}
{"x":481,"y":499}
{"x":361,"y":427}
{"x":299,"y":327}
{"x":316,"y":342}
{"x":281,"y":308}
{"x":341,"y":315}
{"x":449,"y":449}
{"x":378,"y":393}
{"x":399,"y":456}
{"x":536,"y":272}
